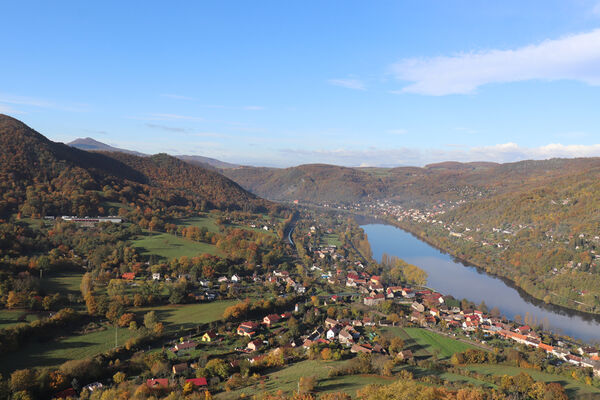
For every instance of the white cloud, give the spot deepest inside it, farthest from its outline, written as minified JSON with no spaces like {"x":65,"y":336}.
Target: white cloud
{"x":574,"y":57}
{"x":4,"y":109}
{"x":253,"y":108}
{"x":502,"y":153}
{"x":596,"y":9}
{"x":349,"y":83}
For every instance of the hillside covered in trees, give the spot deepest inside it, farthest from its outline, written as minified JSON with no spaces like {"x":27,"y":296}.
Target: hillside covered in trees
{"x":414,"y":186}
{"x":39,"y":177}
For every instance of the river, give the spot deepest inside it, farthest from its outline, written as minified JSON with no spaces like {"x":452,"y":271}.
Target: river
{"x":452,"y":277}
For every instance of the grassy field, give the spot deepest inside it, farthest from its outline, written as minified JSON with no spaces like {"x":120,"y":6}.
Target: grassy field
{"x":81,"y":346}
{"x":424,"y":343}
{"x":10,"y":318}
{"x":287,"y":380}
{"x":64,"y":283}
{"x":329,"y":239}
{"x":207,"y":222}
{"x":187,"y":316}
{"x":170,"y":246}
{"x":573,"y":388}
{"x":58,"y":351}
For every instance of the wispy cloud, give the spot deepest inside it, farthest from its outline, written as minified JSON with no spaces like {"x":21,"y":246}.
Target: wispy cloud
{"x":188,"y":131}
{"x":4,"y":109}
{"x":166,"y":117}
{"x":349,"y":83}
{"x":253,"y":108}
{"x":166,"y":128}
{"x":397,"y":131}
{"x":505,"y":152}
{"x":40,"y":103}
{"x":596,"y":9}
{"x":574,"y":57}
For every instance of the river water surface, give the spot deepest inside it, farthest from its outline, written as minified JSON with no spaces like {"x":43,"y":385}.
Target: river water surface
{"x":452,"y":277}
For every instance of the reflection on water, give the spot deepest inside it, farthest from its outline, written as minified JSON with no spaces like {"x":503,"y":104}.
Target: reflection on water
{"x":452,"y":277}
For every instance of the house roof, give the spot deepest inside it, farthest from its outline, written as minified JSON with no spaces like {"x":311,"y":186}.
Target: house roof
{"x":180,"y":367}
{"x":186,"y":345}
{"x":210,"y":334}
{"x":197,"y":381}
{"x":158,"y":383}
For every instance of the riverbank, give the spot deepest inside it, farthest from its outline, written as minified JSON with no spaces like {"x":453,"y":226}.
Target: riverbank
{"x":460,"y":280}
{"x":506,"y":278}
{"x":526,"y":295}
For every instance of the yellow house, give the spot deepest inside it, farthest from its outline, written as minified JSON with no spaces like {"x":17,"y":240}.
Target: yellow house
{"x":209,"y":336}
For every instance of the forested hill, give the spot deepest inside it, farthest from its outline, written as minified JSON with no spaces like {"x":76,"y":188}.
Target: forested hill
{"x":449,"y":181}
{"x":40,"y":177}
{"x":310,"y":183}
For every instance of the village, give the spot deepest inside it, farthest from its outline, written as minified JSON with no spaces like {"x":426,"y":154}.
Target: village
{"x":341,"y":308}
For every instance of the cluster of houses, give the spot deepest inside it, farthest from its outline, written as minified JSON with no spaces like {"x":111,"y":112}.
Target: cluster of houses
{"x":283,"y":278}
{"x":588,"y":356}
{"x":343,"y":332}
{"x":430,"y":310}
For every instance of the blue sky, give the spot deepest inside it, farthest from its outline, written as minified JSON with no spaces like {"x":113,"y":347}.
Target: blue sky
{"x":283,"y":83}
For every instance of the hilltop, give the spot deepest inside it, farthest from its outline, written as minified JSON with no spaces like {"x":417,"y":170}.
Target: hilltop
{"x":416,"y":186}
{"x":41,"y":177}
{"x":90,"y":144}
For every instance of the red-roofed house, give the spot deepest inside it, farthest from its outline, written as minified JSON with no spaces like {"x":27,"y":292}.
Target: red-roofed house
{"x":197,"y":382}
{"x":523,"y":329}
{"x":271,"y":319}
{"x":185,"y":346}
{"x":247,"y":329}
{"x":128,"y":276}
{"x":162,"y":383}
{"x":254,"y":345}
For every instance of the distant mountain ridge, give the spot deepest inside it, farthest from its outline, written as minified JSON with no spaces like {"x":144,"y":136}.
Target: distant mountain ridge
{"x":90,"y":144}
{"x":40,"y":177}
{"x":447,"y":181}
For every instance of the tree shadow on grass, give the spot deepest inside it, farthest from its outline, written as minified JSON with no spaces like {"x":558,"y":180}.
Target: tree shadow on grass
{"x":34,"y":355}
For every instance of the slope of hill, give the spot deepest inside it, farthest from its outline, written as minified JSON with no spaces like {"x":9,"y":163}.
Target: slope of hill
{"x":207,"y":162}
{"x":310,"y":183}
{"x":90,"y":144}
{"x":452,"y":181}
{"x":41,"y":177}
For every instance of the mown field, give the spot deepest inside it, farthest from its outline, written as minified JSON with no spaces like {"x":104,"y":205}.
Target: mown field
{"x":75,"y":347}
{"x":207,"y":222}
{"x":287,"y":380}
{"x":10,"y":318}
{"x":331,"y":239}
{"x":186,"y":316}
{"x":63,"y":349}
{"x":170,"y":246}
{"x":424,"y":343}
{"x":64,"y":283}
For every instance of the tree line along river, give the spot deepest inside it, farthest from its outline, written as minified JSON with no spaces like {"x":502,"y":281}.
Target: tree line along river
{"x":462,"y":281}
